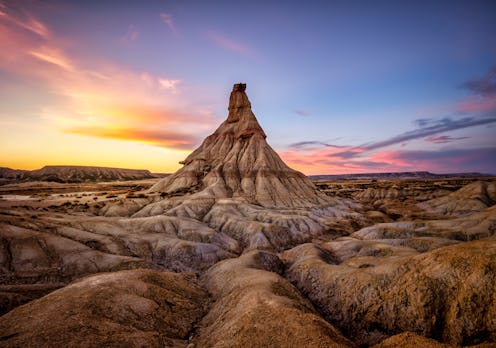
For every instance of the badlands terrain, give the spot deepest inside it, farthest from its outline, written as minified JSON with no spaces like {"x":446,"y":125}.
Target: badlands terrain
{"x":236,"y":249}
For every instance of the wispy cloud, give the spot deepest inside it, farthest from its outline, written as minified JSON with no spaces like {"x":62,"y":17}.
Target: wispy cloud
{"x":395,"y":153}
{"x":162,"y":138}
{"x":483,"y":94}
{"x":316,"y":157}
{"x":313,"y":143}
{"x":427,"y":128}
{"x":485,"y":85}
{"x":477,"y":104}
{"x":90,"y":93}
{"x":446,"y":160}
{"x":302,"y":112}
{"x":442,"y":139}
{"x":431,"y":127}
{"x":131,"y":35}
{"x":443,"y":160}
{"x":230,"y":44}
{"x":52,"y":56}
{"x":168,"y":20}
{"x":19,"y":17}
{"x":169,"y":84}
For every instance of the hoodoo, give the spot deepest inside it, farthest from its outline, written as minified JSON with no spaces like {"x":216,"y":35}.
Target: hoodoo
{"x":237,"y":162}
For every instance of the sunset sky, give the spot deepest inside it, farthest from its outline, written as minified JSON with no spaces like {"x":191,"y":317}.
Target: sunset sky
{"x":338,"y":86}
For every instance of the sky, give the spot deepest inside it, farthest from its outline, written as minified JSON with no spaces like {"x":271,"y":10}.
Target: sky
{"x":338,"y":86}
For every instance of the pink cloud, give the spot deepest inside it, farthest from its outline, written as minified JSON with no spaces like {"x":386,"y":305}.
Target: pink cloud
{"x":131,"y":34}
{"x":477,"y":104}
{"x":169,"y":84}
{"x":53,"y":56}
{"x":163,"y":138}
{"x":168,"y":20}
{"x":229,"y":44}
{"x":443,"y":139}
{"x":24,"y":21}
{"x":328,"y":161}
{"x":95,"y":94}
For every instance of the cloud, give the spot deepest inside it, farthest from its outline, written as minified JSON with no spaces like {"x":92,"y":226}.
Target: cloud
{"x":447,"y":160}
{"x":428,"y":128}
{"x":131,"y":34}
{"x":320,"y":163}
{"x":90,"y":93}
{"x":17,"y":16}
{"x":301,"y":112}
{"x":162,"y":138}
{"x":303,"y":144}
{"x":169,"y":84}
{"x":316,"y":157}
{"x":483,"y":98}
{"x":442,"y":139}
{"x":485,"y":85}
{"x":229,"y":44}
{"x":52,"y":56}
{"x":392,"y":154}
{"x":168,"y":20}
{"x":476,"y":104}
{"x":431,"y":127}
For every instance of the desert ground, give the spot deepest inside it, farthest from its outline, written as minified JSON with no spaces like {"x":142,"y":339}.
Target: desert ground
{"x":238,"y":250}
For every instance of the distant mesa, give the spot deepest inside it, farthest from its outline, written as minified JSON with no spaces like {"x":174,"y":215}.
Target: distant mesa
{"x":74,"y":174}
{"x":397,"y":175}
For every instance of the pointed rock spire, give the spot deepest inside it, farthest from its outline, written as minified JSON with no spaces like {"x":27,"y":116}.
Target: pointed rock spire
{"x":236,"y":162}
{"x":238,"y":103}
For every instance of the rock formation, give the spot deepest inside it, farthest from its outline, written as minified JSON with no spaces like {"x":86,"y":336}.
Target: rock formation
{"x":236,"y":162}
{"x":238,"y":185}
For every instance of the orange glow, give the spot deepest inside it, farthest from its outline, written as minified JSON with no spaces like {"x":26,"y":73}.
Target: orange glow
{"x":162,"y":138}
{"x":95,"y":118}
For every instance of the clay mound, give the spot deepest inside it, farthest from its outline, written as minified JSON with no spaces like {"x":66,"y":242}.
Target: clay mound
{"x":445,"y":294}
{"x":139,"y":308}
{"x":410,"y":340}
{"x":28,"y":256}
{"x":255,"y":307}
{"x":236,"y":162}
{"x":471,"y":198}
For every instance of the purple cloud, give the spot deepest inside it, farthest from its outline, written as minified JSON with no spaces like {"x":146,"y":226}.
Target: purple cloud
{"x":131,"y":34}
{"x":450,"y":160}
{"x":431,"y":127}
{"x":485,"y":85}
{"x":442,"y":139}
{"x":168,"y":20}
{"x":303,"y":144}
{"x":302,"y":112}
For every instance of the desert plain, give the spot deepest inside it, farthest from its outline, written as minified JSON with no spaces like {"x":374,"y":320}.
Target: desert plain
{"x":236,"y":249}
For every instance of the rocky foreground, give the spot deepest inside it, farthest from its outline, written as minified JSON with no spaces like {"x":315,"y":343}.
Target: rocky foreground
{"x":236,"y":249}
